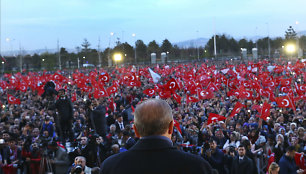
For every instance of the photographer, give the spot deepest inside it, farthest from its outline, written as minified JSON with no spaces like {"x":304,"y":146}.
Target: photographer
{"x":64,"y":117}
{"x":216,"y":158}
{"x":80,"y":166}
{"x":32,"y":156}
{"x":60,"y":160}
{"x":96,"y":116}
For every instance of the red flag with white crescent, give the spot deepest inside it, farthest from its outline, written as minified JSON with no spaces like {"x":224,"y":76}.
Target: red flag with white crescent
{"x":285,"y":102}
{"x":236,"y":109}
{"x":149,"y":92}
{"x":265,"y":111}
{"x":12,"y":100}
{"x":213,"y":118}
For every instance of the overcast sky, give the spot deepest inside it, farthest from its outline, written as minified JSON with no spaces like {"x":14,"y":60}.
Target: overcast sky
{"x":37,"y":24}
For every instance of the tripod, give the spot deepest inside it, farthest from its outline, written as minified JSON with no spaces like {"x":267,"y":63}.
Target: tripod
{"x":45,"y":164}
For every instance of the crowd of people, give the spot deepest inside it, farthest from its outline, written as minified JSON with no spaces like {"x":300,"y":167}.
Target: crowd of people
{"x":241,"y":116}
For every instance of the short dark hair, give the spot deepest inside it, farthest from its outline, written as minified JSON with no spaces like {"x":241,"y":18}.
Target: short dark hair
{"x":290,"y":149}
{"x":241,"y":145}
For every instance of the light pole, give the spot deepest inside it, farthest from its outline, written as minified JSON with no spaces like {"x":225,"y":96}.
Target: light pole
{"x":198,"y":45}
{"x":2,"y":67}
{"x":134,"y":36}
{"x":109,"y":58}
{"x":117,"y":58}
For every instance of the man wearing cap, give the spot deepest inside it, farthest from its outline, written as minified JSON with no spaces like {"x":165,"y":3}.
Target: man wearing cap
{"x":154,"y":152}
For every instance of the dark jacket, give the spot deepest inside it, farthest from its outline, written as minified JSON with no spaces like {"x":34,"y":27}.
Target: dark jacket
{"x":287,"y":165}
{"x":151,"y":156}
{"x":218,"y":160}
{"x":246,"y":166}
{"x":99,"y":120}
{"x":65,"y":109}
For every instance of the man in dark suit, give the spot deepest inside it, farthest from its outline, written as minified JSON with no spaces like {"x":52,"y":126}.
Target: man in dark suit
{"x":120,"y":124}
{"x":65,"y":116}
{"x":98,"y":117}
{"x":241,"y":163}
{"x":154,"y":152}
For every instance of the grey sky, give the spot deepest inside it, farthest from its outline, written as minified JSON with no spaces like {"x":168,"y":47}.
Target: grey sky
{"x":37,"y":24}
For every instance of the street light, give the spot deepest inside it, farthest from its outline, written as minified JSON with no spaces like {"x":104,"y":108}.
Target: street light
{"x":290,"y":48}
{"x":2,"y":67}
{"x":134,"y":36}
{"x":117,"y":57}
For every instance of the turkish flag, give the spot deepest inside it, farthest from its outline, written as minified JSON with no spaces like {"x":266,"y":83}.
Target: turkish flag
{"x":285,"y":82}
{"x":104,"y":77}
{"x":149,"y":92}
{"x":236,"y":109}
{"x":172,"y":85}
{"x":300,"y":89}
{"x":23,"y":87}
{"x":265,"y":111}
{"x":13,"y":100}
{"x":112,"y":89}
{"x":177,"y":125}
{"x":213,"y":118}
{"x":285,"y":102}
{"x":205,"y":94}
{"x":191,"y":99}
{"x":164,"y":94}
{"x":134,"y":83}
{"x":73,"y":97}
{"x":100,"y":93}
{"x":212,"y":87}
{"x":177,"y":98}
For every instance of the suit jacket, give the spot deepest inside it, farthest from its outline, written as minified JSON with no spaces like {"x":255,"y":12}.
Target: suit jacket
{"x":118,"y":127}
{"x":151,"y":156}
{"x":246,"y":166}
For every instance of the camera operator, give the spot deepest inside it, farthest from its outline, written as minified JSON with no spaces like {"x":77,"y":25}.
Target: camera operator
{"x":60,"y":158}
{"x":65,"y":116}
{"x":96,"y":115}
{"x":80,"y":166}
{"x":32,"y":155}
{"x":97,"y":152}
{"x":81,"y":150}
{"x":49,"y":95}
{"x":216,"y":158}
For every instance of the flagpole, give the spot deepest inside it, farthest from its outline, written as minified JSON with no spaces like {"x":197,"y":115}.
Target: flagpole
{"x":215,"y":47}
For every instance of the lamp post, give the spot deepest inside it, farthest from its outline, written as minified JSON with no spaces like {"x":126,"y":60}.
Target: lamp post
{"x":134,"y":36}
{"x":197,"y":41}
{"x":109,"y":58}
{"x":117,"y":58}
{"x":290,"y":49}
{"x":2,"y":67}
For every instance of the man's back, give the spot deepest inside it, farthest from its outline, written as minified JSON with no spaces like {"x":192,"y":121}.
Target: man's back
{"x":154,"y":156}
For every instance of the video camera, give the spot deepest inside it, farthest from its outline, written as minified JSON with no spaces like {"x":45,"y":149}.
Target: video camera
{"x":49,"y":90}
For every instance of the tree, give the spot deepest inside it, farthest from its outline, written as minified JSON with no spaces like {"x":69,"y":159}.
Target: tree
{"x":153,"y":47}
{"x":166,"y":46}
{"x":243,"y":43}
{"x":85,"y":45}
{"x":141,"y":50}
{"x":290,"y":34}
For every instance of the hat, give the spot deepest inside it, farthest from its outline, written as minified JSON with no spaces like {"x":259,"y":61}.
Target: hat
{"x":261,"y":139}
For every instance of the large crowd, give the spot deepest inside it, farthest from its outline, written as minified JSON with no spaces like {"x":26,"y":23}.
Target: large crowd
{"x":58,"y":121}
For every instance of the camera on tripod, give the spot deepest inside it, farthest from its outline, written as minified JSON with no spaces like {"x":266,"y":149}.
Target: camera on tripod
{"x":49,"y":90}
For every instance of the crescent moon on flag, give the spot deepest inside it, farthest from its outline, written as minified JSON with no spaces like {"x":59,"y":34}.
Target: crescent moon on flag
{"x":11,"y":98}
{"x":287,"y":102}
{"x":172,"y":86}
